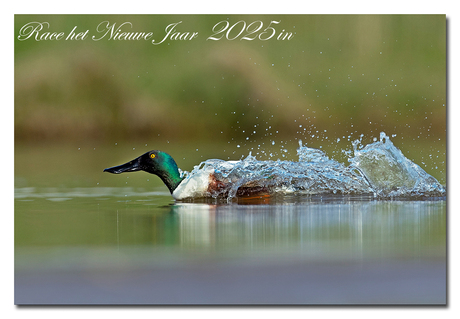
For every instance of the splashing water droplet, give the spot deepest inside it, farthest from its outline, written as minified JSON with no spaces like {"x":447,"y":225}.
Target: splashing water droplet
{"x":379,"y":169}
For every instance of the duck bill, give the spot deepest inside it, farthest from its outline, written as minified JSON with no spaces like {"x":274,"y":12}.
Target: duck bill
{"x":131,"y":166}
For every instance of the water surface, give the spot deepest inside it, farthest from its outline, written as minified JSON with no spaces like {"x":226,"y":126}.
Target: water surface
{"x":86,"y":237}
{"x":130,"y":246}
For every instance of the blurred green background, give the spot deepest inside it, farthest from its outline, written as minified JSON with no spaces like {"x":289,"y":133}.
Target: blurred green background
{"x":338,"y":77}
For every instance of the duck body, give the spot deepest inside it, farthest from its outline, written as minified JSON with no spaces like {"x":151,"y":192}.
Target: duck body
{"x":197,"y":185}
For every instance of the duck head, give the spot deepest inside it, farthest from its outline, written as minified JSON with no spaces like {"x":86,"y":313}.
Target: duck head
{"x":153,"y":162}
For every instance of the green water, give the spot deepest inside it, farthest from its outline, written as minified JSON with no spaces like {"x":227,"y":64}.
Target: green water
{"x":84,"y":237}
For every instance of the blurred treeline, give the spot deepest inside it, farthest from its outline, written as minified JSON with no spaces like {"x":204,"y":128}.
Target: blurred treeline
{"x":338,"y":75}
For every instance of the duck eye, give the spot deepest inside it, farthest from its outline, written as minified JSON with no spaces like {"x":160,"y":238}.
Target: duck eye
{"x":152,"y":155}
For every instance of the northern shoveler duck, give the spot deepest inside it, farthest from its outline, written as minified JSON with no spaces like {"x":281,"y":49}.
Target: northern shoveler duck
{"x":201,"y":184}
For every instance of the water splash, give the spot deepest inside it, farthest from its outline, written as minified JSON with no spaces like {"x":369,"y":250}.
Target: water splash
{"x":390,"y":173}
{"x":379,"y":169}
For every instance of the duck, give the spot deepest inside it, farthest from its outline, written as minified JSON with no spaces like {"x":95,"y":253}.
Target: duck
{"x":203,"y":183}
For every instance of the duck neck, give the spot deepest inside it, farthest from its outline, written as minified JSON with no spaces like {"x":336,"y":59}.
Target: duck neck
{"x":171,"y":179}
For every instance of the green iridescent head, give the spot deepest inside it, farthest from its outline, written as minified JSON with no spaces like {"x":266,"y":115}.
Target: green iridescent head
{"x":153,"y":162}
